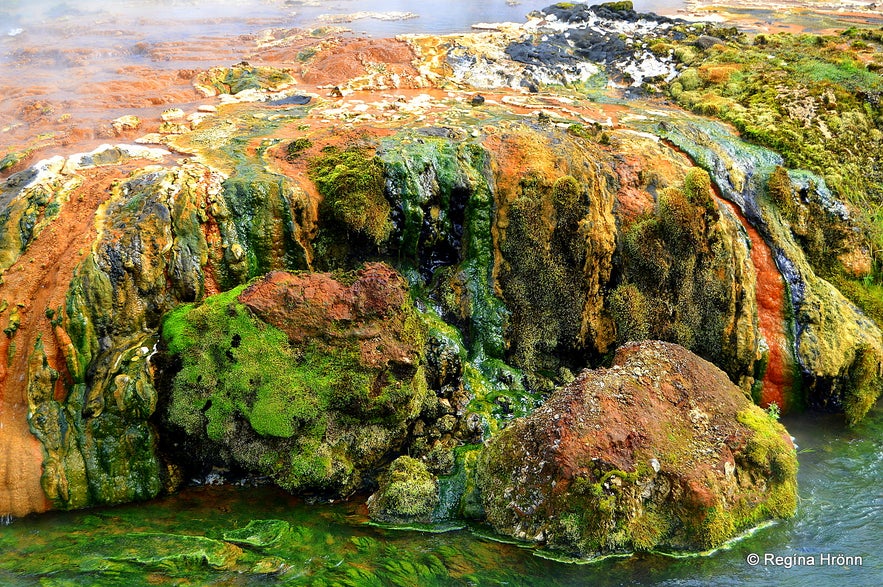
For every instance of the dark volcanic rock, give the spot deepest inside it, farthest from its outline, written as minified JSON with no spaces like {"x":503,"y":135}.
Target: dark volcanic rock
{"x":659,"y":451}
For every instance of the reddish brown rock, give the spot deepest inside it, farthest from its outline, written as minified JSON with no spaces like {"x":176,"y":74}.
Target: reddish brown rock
{"x":659,"y":451}
{"x":310,"y":305}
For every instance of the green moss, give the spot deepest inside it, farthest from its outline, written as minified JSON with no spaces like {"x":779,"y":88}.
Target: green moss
{"x":543,"y":280}
{"x":865,"y":386}
{"x":697,"y":189}
{"x":408,"y":492}
{"x":689,"y":80}
{"x":717,"y":527}
{"x":296,"y":147}
{"x":678,"y":277}
{"x":351,"y":184}
{"x":619,"y":6}
{"x":767,"y":447}
{"x":781,"y":192}
{"x":647,"y":530}
{"x":281,"y":408}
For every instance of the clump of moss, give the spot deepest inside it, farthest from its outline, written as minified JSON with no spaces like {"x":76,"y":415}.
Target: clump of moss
{"x":629,"y":304}
{"x":678,"y":277}
{"x":864,"y":389}
{"x":351,"y":183}
{"x":544,"y":284}
{"x":407,"y":493}
{"x":781,"y":192}
{"x":619,"y":6}
{"x":767,"y":448}
{"x":296,"y":147}
{"x":312,"y":415}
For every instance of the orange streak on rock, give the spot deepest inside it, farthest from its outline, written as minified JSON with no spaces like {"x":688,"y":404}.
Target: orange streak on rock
{"x":778,"y":379}
{"x":37,"y":281}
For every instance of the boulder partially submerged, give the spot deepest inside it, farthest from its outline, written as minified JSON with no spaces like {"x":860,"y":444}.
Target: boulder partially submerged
{"x":660,"y":451}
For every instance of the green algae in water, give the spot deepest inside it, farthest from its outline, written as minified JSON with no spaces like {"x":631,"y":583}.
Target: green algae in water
{"x":333,"y":545}
{"x":259,"y":533}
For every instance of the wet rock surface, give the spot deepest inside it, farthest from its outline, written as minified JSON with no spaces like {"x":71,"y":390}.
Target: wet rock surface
{"x":659,"y":451}
{"x":352,"y":250}
{"x":407,"y":493}
{"x":311,"y":380}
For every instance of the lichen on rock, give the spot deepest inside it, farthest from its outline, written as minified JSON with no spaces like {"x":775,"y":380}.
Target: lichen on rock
{"x":659,"y":451}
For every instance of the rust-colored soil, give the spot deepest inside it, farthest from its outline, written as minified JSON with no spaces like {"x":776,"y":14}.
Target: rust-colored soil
{"x":356,"y":58}
{"x":37,"y":281}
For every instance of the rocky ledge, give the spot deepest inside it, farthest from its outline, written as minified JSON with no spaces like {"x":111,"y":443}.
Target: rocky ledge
{"x":375,"y":279}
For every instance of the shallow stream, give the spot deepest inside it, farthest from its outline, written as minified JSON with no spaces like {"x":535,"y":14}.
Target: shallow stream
{"x":840,"y":515}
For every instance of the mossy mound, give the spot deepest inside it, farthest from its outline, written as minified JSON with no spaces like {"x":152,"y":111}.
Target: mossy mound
{"x":310,"y":379}
{"x":240,"y":77}
{"x":660,"y":451}
{"x":407,"y":493}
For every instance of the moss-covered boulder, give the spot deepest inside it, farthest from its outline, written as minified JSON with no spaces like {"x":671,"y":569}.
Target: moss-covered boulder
{"x":311,"y":379}
{"x":408,"y":493}
{"x":660,"y":451}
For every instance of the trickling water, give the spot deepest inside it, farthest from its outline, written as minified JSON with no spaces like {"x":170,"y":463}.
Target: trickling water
{"x":772,"y":320}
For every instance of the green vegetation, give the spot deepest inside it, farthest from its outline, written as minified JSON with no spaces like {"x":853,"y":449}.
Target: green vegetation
{"x":296,"y":147}
{"x":263,"y":208}
{"x":544,"y":284}
{"x":767,"y":448}
{"x":407,"y":493}
{"x":426,"y":181}
{"x":864,"y":386}
{"x":620,"y":6}
{"x":678,"y":284}
{"x":354,"y":210}
{"x":816,"y":101}
{"x":282,"y":409}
